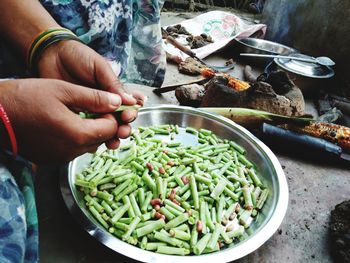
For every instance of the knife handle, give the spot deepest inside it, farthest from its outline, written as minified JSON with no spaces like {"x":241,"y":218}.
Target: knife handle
{"x":308,"y":141}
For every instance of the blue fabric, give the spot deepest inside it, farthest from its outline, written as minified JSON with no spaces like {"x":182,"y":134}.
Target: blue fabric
{"x":18,"y":216}
{"x":124,"y":31}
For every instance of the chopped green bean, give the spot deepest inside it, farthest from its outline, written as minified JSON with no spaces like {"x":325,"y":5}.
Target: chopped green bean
{"x":196,"y":191}
{"x":153,"y":246}
{"x":180,"y":234}
{"x":132,"y":227}
{"x":155,"y":225}
{"x":98,"y":216}
{"x":201,"y":244}
{"x":219,"y":189}
{"x":214,"y":237}
{"x":119,"y":213}
{"x":173,"y":205}
{"x":176,"y":221}
{"x":262,"y":199}
{"x":172,"y":250}
{"x":191,"y":130}
{"x":148,"y":199}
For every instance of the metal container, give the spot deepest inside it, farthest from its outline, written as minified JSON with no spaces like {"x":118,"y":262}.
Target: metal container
{"x":307,"y":76}
{"x":260,"y":46}
{"x":267,"y":164}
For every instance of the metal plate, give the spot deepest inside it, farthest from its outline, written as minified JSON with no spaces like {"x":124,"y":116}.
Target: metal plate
{"x":308,"y":69}
{"x":267,"y":164}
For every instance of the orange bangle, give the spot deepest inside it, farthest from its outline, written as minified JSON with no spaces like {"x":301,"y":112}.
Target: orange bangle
{"x":10,"y":131}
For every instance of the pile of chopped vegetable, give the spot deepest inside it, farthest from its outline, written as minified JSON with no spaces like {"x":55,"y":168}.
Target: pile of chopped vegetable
{"x":161,"y":195}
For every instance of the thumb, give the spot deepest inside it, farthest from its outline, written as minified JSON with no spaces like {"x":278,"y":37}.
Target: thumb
{"x":75,"y":96}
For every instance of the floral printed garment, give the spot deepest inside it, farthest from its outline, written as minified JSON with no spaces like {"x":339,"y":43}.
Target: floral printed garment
{"x":126,"y":32}
{"x":18,"y":215}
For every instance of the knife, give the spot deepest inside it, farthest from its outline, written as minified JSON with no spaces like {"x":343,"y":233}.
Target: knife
{"x":308,"y":142}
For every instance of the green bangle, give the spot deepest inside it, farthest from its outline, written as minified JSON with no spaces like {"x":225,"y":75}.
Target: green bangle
{"x":43,"y":41}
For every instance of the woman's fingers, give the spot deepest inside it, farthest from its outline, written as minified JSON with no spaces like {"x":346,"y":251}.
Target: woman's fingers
{"x":92,"y":100}
{"x":128,"y":116}
{"x":124,"y":131}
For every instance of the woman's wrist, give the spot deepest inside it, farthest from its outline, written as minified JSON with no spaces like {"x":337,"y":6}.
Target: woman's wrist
{"x":7,"y":136}
{"x":45,"y":40}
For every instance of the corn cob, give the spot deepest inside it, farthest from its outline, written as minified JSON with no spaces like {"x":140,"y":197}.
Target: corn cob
{"x":234,"y":83}
{"x":331,"y":132}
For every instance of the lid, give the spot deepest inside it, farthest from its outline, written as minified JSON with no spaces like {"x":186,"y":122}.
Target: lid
{"x":307,"y":69}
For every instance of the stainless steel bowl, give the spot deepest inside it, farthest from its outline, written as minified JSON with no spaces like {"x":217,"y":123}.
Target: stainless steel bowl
{"x":267,"y":164}
{"x":260,"y":46}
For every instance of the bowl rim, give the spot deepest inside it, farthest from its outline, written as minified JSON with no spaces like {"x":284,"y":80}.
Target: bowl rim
{"x":245,"y":247}
{"x":266,"y":41}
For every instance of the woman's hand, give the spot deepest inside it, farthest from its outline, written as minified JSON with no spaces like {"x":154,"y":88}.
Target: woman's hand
{"x":75,"y":62}
{"x":47,"y":128}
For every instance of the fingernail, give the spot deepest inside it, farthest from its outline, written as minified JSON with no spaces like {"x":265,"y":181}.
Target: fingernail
{"x":114,"y":100}
{"x":129,"y":96}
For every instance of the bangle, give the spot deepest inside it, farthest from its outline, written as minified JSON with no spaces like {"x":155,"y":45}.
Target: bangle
{"x":10,"y":132}
{"x":43,"y":41}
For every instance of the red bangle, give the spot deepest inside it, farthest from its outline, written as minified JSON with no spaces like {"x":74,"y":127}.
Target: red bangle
{"x":5,"y":119}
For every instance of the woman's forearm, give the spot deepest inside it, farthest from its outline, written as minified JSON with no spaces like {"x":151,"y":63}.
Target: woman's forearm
{"x":21,"y":21}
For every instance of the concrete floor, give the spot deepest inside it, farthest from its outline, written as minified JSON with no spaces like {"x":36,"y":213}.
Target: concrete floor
{"x":315,"y":187}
